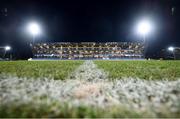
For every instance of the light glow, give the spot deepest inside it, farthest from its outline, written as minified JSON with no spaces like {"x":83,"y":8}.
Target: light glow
{"x":34,"y":28}
{"x":7,"y":48}
{"x":171,"y":49}
{"x":144,"y":27}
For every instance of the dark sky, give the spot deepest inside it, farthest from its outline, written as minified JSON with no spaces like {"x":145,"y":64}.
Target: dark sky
{"x":88,"y":20}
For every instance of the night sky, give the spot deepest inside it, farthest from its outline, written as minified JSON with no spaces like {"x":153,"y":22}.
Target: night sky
{"x":88,"y":21}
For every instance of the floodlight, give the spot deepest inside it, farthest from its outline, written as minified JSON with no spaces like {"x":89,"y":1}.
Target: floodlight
{"x":171,"y":49}
{"x":144,"y":27}
{"x":7,"y":48}
{"x":34,"y":28}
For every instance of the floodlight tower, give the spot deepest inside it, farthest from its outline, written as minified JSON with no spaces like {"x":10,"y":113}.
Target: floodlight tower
{"x":172,"y":49}
{"x":34,"y":29}
{"x":6,"y":48}
{"x":144,"y":27}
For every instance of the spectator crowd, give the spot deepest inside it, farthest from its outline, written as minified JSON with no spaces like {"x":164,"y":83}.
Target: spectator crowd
{"x":88,"y":50}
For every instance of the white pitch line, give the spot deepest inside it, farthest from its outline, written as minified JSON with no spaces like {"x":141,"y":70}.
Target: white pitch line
{"x":88,"y":71}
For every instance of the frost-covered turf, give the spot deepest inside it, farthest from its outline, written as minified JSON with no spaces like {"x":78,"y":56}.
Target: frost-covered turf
{"x":153,"y":70}
{"x":88,"y":92}
{"x":39,"y":69}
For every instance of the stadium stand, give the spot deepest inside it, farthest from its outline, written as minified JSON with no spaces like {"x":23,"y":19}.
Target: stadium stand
{"x":89,"y":50}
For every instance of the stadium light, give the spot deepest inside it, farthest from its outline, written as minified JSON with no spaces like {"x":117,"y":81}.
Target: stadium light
{"x":7,"y":48}
{"x":34,"y":29}
{"x":171,"y":49}
{"x":144,"y":27}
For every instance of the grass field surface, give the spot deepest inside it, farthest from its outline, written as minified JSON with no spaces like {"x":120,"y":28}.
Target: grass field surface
{"x":153,"y":70}
{"x":90,"y":89}
{"x":39,"y":69}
